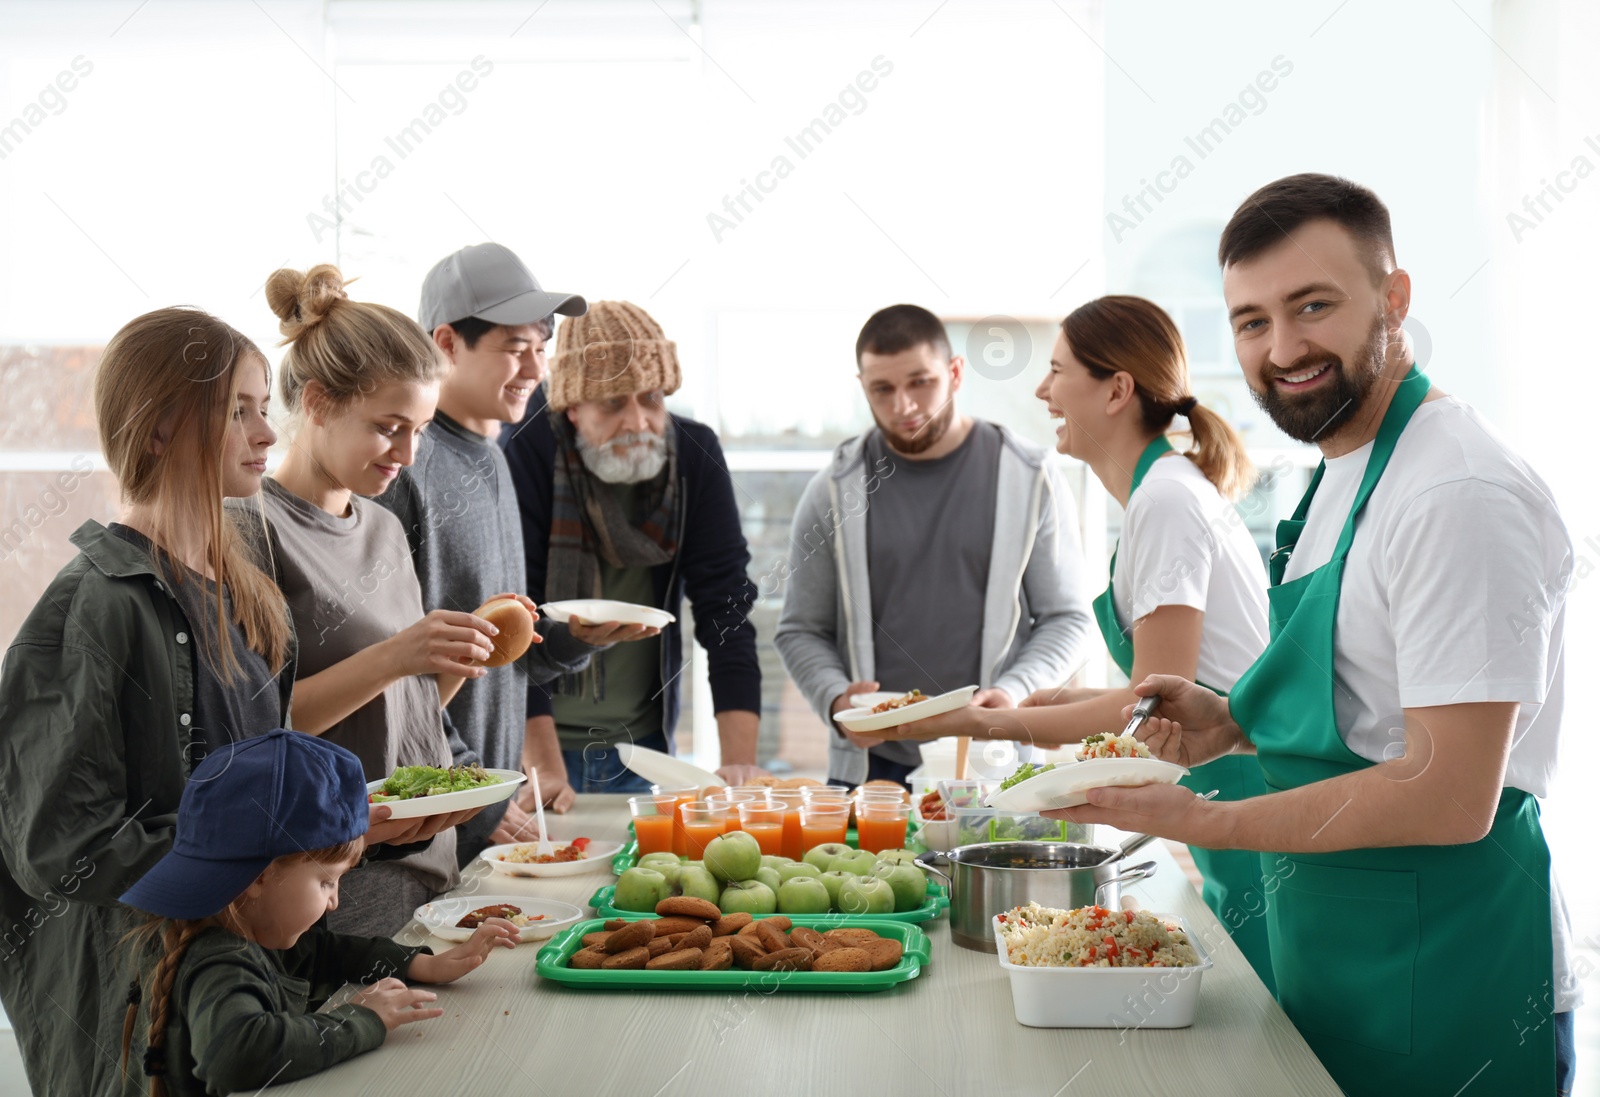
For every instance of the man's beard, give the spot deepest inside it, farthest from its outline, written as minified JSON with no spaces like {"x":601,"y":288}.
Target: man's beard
{"x":933,"y":430}
{"x":643,"y":456}
{"x":1317,"y":414}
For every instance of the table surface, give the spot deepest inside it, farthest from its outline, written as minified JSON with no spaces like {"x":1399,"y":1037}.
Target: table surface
{"x":949,"y":1031}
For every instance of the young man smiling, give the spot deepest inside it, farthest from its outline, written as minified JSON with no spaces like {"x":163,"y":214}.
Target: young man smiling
{"x":1406,"y":711}
{"x":488,"y":315}
{"x":953,"y":561}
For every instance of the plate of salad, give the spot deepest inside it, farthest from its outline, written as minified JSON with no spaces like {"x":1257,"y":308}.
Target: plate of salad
{"x":1048,"y":787}
{"x":415,"y":791}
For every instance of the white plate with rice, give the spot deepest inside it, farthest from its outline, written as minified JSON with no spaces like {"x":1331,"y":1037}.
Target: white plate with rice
{"x":1038,"y":953}
{"x":505,"y":859}
{"x":1067,"y":785}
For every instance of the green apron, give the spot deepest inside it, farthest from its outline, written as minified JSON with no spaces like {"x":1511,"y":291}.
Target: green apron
{"x":1408,"y":970}
{"x":1232,"y":877}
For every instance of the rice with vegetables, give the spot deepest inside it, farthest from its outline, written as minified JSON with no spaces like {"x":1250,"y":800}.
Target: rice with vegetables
{"x":1112,"y":746}
{"x":1037,"y":936}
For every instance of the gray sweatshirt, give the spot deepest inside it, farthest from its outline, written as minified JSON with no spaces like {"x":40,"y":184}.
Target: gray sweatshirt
{"x":1036,"y":629}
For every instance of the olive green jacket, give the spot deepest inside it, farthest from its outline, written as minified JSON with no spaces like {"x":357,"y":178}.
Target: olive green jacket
{"x":95,"y":696}
{"x":239,"y":1019}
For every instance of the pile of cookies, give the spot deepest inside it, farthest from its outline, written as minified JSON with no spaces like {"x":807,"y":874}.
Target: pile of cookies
{"x":693,"y":935}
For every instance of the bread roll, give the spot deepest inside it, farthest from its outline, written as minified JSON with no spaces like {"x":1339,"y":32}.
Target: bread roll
{"x":515,"y":623}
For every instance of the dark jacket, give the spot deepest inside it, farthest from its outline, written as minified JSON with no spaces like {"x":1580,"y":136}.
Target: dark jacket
{"x":710,"y":566}
{"x":241,"y":1020}
{"x":95,"y":699}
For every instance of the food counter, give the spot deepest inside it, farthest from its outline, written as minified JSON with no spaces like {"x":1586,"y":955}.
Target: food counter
{"x":950,"y":1031}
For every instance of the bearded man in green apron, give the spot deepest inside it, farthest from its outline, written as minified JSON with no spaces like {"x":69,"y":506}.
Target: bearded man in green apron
{"x":1406,"y":709}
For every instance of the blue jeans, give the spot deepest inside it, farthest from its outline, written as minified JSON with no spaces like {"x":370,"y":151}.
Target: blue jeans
{"x":1566,"y":1053}
{"x":598,"y":768}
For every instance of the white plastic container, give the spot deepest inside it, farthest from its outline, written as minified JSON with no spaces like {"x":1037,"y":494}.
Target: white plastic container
{"x":1127,"y":998}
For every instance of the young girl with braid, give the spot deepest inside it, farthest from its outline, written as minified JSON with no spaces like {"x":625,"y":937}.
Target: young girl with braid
{"x":223,"y":1004}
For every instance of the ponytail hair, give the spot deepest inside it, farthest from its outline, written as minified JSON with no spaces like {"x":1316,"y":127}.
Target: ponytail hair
{"x":349,"y":348}
{"x":175,"y":936}
{"x":1123,"y":334}
{"x":173,"y":375}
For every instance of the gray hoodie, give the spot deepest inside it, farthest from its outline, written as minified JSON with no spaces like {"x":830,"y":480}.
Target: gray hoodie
{"x":1036,"y":626}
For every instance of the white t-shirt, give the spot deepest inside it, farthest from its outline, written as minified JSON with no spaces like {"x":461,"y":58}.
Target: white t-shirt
{"x":1183,"y":544}
{"x":1453,"y":592}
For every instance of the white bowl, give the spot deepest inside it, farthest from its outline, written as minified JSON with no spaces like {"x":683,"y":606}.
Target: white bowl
{"x":1105,"y":997}
{"x":440,"y":916}
{"x":419,"y":806}
{"x":598,"y":857}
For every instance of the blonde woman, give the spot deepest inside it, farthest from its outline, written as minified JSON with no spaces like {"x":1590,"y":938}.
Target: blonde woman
{"x":360,"y":382}
{"x":1187,"y":593}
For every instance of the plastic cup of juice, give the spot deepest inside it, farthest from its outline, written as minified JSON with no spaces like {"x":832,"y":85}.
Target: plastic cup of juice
{"x":729,"y":802}
{"x":679,"y":796}
{"x":824,"y":822}
{"x":702,"y":822}
{"x":763,"y":821}
{"x":652,"y":822}
{"x":793,"y":845}
{"x":881,"y":824}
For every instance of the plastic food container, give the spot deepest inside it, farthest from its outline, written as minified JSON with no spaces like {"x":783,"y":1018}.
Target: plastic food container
{"x":971,"y":823}
{"x":1126,"y":998}
{"x":552,"y":965}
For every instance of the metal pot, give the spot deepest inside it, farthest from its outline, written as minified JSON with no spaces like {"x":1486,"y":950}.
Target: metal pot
{"x":992,"y":877}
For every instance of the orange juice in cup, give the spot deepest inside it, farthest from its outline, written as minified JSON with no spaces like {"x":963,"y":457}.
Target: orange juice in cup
{"x":763,"y":821}
{"x":652,"y":822}
{"x":677,"y":797}
{"x":881,"y":824}
{"x":823,"y":822}
{"x":729,"y":801}
{"x":701,"y":823}
{"x":794,"y":846}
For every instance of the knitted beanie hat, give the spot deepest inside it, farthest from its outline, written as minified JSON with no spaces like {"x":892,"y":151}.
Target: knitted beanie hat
{"x":615,"y":349}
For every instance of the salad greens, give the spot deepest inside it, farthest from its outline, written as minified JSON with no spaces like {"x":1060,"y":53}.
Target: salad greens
{"x":1024,"y":771}
{"x":410,"y":782}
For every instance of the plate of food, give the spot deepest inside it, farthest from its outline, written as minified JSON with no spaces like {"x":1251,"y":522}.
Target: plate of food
{"x":599,"y":611}
{"x":454,"y":919}
{"x":572,"y":858}
{"x":1104,"y":761}
{"x":415,"y":791}
{"x":665,"y":770}
{"x":900,"y":708}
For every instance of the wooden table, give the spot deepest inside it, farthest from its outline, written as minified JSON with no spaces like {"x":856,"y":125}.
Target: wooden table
{"x":949,"y":1031}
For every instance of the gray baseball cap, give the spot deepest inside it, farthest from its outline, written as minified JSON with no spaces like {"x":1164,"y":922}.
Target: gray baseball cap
{"x":489,"y":281}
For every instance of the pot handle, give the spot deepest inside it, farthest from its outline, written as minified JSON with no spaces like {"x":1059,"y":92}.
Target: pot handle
{"x":1126,"y":876}
{"x":940,"y":873}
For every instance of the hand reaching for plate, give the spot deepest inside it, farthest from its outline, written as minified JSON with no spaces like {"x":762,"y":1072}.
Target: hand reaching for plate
{"x":603,"y":633}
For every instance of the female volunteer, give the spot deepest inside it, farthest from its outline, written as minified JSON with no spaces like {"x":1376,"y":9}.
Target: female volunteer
{"x":1187,"y":584}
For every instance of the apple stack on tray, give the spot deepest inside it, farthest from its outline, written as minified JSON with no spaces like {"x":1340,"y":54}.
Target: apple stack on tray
{"x":832,"y":879}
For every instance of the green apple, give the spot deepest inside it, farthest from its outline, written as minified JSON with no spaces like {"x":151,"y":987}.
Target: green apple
{"x":833,"y":881}
{"x":772,"y":860}
{"x":910,"y":887}
{"x":640,"y":889}
{"x":804,"y":895}
{"x":656,"y":860}
{"x":899,"y":856}
{"x":733,"y":856}
{"x":797,"y":868}
{"x":698,"y":883}
{"x":770,"y":877}
{"x":749,"y":896}
{"x":857,"y":862}
{"x":865,"y":895}
{"x":827,"y":851}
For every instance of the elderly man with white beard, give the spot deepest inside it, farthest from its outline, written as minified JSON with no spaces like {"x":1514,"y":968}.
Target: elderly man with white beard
{"x":622,"y":500}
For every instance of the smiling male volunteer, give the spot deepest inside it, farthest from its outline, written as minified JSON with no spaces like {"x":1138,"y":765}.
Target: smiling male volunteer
{"x":1405,"y":712}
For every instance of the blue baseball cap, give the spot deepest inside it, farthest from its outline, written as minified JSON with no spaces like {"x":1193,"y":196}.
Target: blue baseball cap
{"x":246,"y":805}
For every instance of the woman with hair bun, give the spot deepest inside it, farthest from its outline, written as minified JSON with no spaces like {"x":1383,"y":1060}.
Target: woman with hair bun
{"x":1187,"y":592}
{"x":360,"y":382}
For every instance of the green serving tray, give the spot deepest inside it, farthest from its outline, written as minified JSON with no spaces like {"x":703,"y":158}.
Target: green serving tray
{"x":552,"y":964}
{"x":628,"y":856}
{"x":937,"y":899}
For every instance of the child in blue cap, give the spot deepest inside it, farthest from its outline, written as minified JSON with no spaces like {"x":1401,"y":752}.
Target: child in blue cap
{"x":266,"y":826}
